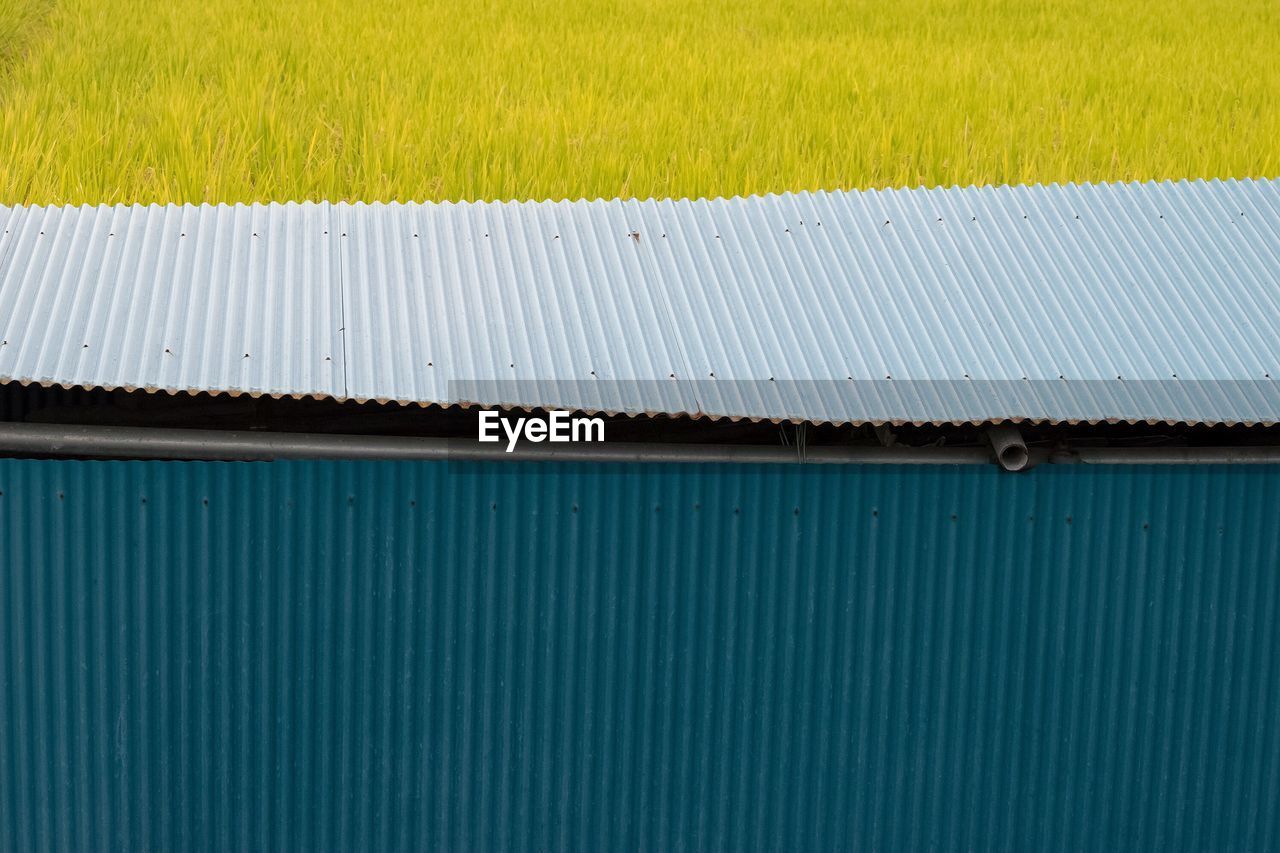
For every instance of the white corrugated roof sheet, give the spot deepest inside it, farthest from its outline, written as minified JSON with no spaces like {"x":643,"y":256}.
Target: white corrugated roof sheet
{"x":1121,"y":302}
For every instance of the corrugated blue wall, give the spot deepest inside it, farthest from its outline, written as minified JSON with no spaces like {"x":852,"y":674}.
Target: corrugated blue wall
{"x":340,"y":656}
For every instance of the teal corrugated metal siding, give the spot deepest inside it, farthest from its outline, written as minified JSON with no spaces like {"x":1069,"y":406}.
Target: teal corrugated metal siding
{"x":381,"y":656}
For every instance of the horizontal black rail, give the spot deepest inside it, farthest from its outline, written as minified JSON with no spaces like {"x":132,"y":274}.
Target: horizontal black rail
{"x":165,"y":443}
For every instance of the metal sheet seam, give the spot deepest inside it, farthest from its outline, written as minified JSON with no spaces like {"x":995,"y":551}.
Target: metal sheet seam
{"x":341,"y":225}
{"x":650,"y":266}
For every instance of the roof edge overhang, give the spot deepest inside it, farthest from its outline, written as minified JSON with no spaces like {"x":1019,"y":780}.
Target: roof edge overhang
{"x":994,"y":417}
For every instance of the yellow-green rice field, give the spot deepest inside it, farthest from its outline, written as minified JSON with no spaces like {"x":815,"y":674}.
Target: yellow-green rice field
{"x":239,"y":100}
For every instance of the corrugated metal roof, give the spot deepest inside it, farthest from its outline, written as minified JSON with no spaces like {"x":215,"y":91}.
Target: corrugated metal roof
{"x":1138,"y":302}
{"x":324,"y":656}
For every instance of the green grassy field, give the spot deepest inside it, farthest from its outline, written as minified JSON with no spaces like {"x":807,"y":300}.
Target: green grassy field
{"x":231,"y":100}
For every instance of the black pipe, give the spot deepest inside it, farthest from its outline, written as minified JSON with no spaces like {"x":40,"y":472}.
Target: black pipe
{"x":157,"y":443}
{"x":162,"y":443}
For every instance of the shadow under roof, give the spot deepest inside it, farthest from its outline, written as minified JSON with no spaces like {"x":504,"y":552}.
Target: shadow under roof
{"x":1076,"y":303}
